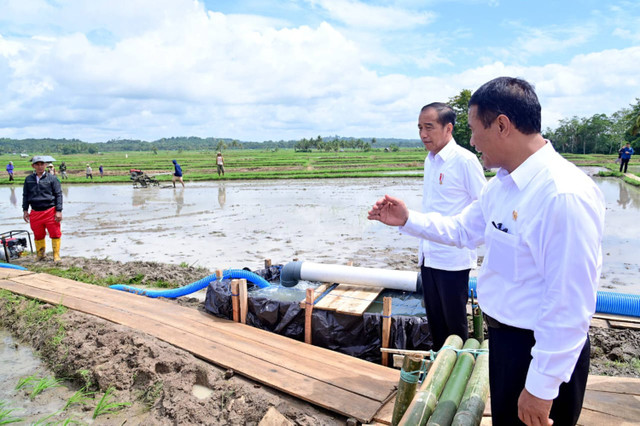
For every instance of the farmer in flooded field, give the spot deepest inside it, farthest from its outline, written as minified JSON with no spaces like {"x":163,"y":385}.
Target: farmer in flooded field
{"x":177,"y":173}
{"x":43,"y":193}
{"x":542,"y":221}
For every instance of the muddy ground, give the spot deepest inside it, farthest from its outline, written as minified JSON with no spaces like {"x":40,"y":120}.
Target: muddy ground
{"x":160,"y":379}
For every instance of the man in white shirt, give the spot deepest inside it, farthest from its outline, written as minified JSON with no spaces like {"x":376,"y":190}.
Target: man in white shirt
{"x":453,"y":178}
{"x":542,"y":221}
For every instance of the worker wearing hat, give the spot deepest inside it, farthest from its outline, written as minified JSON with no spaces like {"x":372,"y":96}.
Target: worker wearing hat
{"x":42,"y":191}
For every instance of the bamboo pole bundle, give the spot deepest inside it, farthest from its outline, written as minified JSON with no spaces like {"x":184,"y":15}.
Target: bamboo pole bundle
{"x":455,"y":387}
{"x":475,"y":396}
{"x":426,"y":398}
{"x":406,"y":387}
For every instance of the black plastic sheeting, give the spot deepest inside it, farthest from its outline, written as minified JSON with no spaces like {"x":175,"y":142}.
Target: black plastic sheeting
{"x":359,"y":336}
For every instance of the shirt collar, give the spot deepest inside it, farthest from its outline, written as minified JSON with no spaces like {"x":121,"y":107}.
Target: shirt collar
{"x":446,"y":152}
{"x":526,"y":171}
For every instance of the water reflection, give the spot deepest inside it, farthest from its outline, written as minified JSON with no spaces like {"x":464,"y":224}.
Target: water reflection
{"x":13,"y":198}
{"x":623,"y":198}
{"x":222,"y":195}
{"x":138,"y":197}
{"x":178,"y":196}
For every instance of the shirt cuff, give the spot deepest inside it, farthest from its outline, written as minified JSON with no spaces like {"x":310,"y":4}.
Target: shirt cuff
{"x":542,"y":386}
{"x":411,"y":227}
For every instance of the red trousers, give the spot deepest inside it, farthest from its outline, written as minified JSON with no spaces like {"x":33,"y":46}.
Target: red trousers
{"x":44,"y":220}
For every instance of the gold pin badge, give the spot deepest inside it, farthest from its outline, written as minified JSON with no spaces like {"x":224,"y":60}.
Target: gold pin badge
{"x":515,"y":215}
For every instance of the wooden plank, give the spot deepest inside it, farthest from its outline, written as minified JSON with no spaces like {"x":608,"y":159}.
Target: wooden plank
{"x":375,"y":386}
{"x":625,"y":407}
{"x":624,"y":324}
{"x":626,"y":385}
{"x":617,"y":317}
{"x":317,"y":293}
{"x":385,"y":414}
{"x":8,"y":273}
{"x":599,"y":323}
{"x":202,"y":319}
{"x":299,"y":385}
{"x":594,"y":418}
{"x":349,"y":299}
{"x":359,"y":300}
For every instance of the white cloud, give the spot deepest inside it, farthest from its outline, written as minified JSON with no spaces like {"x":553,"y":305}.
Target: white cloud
{"x":362,"y":15}
{"x":176,"y":69}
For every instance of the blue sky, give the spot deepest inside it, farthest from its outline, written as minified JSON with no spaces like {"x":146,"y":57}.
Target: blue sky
{"x":271,"y":70}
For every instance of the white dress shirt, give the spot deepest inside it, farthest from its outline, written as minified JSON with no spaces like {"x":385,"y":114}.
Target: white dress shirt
{"x":453,"y":179}
{"x":542,"y":273}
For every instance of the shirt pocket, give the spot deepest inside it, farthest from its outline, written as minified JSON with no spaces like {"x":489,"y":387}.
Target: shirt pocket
{"x":502,"y":253}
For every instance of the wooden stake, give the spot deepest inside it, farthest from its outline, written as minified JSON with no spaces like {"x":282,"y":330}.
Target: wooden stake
{"x":234,"y":300}
{"x":308,"y":312}
{"x":386,"y":328}
{"x":219,"y":274}
{"x":267,"y":263}
{"x":244,"y":304}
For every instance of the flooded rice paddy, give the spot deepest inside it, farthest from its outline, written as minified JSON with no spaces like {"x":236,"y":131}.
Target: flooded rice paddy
{"x":239,"y":224}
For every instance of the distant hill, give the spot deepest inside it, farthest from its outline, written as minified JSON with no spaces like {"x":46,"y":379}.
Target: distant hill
{"x":76,"y":146}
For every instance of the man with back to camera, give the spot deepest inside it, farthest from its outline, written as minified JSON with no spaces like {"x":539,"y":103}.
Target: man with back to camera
{"x":453,"y":178}
{"x":625,"y":155}
{"x":542,"y":221}
{"x":42,"y":191}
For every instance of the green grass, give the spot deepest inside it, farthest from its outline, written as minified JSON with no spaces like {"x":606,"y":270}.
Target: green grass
{"x":106,"y":406}
{"x":37,"y":384}
{"x":81,"y":397}
{"x":6,"y":414}
{"x":255,"y":164}
{"x":78,"y":274}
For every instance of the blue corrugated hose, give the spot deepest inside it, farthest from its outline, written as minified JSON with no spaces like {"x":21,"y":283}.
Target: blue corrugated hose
{"x":195,"y":286}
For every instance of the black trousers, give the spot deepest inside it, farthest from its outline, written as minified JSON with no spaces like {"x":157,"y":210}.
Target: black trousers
{"x":445,"y":299}
{"x":509,"y":358}
{"x":625,"y":163}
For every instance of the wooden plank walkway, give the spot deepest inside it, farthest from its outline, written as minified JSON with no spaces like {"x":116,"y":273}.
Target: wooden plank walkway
{"x":340,"y":383}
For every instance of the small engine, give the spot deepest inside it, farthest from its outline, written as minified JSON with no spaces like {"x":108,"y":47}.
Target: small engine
{"x":14,"y":247}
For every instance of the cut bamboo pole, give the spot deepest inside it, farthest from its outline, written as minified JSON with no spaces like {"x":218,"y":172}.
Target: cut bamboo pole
{"x":475,"y":395}
{"x":455,"y":387}
{"x":308,"y":315}
{"x":406,"y":389}
{"x":234,"y":300}
{"x":386,"y":328}
{"x":426,"y":398}
{"x":267,"y":263}
{"x":244,"y":303}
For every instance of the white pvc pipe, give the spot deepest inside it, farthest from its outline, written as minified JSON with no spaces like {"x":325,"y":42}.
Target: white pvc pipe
{"x":372,"y":277}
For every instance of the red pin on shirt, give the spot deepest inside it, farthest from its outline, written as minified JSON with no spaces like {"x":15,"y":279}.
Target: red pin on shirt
{"x":441,"y":178}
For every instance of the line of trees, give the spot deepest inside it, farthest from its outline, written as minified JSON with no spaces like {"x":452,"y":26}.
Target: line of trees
{"x":599,"y":134}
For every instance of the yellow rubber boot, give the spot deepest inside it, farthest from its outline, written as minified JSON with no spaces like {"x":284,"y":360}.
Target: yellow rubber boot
{"x":41,"y":246}
{"x":55,"y":243}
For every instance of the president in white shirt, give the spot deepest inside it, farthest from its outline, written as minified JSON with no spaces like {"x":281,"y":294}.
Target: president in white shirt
{"x":542,"y":221}
{"x":453,"y":179}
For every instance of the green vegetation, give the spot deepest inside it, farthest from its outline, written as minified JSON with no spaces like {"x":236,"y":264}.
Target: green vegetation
{"x":37,"y":384}
{"x":77,"y":274}
{"x":106,"y":406}
{"x":150,"y":395}
{"x":6,"y":415}
{"x":81,"y":397}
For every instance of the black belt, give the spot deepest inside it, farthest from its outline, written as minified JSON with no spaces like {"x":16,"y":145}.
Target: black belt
{"x":494,"y":323}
